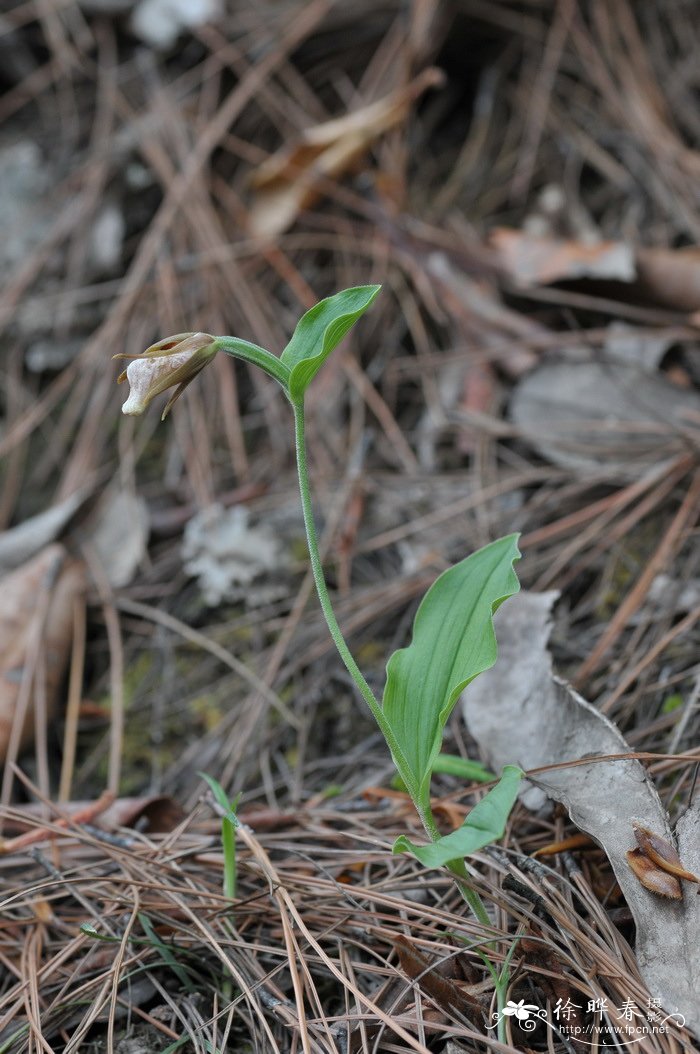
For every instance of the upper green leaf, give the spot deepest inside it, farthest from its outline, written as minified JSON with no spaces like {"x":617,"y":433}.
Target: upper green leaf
{"x":486,"y":823}
{"x":319,"y":331}
{"x":453,"y":641}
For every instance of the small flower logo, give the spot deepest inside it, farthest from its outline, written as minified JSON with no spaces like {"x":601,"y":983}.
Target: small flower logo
{"x":521,"y":1010}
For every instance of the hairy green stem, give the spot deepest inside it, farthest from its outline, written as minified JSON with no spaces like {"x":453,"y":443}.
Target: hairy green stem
{"x":243,"y":349}
{"x":457,"y":867}
{"x":319,"y":579}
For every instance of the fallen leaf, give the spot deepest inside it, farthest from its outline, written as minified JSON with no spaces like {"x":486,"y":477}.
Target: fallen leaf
{"x":643,"y":348}
{"x":667,"y":277}
{"x":670,"y":277}
{"x":673,"y":596}
{"x":158,"y":814}
{"x":27,"y":631}
{"x":589,"y":415}
{"x":652,"y":877}
{"x":440,"y":979}
{"x":520,"y":714}
{"x":531,"y":259}
{"x":288,"y":182}
{"x":661,"y":853}
{"x":21,"y":543}
{"x":120,"y":535}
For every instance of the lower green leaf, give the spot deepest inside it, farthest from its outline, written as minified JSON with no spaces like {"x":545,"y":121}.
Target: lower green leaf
{"x":453,"y":765}
{"x":486,"y":823}
{"x":453,"y":641}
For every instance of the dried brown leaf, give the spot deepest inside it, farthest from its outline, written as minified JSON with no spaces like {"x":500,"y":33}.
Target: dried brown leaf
{"x":437,"y":979}
{"x":159,"y":814}
{"x":652,"y":877}
{"x":531,"y":259}
{"x":662,"y":853}
{"x":36,"y":618}
{"x":120,"y":535}
{"x":670,"y":277}
{"x":21,"y":543}
{"x":289,"y":181}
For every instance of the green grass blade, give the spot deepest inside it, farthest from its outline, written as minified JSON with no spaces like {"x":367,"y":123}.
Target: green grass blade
{"x":177,"y":968}
{"x":453,"y":641}
{"x":321,"y":330}
{"x":228,"y":833}
{"x":486,"y":823}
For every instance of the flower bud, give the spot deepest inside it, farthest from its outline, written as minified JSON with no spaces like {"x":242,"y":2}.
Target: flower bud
{"x":171,"y":363}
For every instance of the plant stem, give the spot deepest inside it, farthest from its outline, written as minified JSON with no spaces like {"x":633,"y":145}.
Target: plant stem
{"x":457,"y":867}
{"x":459,"y":870}
{"x":317,"y":570}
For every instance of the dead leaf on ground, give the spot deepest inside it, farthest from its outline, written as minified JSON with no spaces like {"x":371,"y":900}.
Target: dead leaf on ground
{"x":669,"y":278}
{"x":36,"y":619}
{"x":159,"y":814}
{"x":593,"y":415}
{"x":20,"y":543}
{"x":662,"y":853}
{"x":520,"y":714}
{"x":441,"y":978}
{"x":288,"y":182}
{"x":652,"y":877}
{"x":633,"y":346}
{"x":120,"y":535}
{"x":532,"y":259}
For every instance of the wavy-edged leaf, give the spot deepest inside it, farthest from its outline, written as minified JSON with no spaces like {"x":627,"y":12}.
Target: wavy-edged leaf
{"x":486,"y":823}
{"x":321,"y":330}
{"x":453,"y":641}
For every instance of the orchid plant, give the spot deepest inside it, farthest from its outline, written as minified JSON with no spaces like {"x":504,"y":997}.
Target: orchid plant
{"x":453,"y":637}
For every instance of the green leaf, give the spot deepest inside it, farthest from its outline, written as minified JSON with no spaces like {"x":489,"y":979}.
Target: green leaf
{"x":229,"y":822}
{"x":321,"y":330}
{"x":454,"y":765}
{"x":453,"y":641}
{"x":486,"y":823}
{"x":243,"y":349}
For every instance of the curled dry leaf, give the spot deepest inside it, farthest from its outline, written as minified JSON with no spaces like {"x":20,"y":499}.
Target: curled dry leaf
{"x":289,"y":181}
{"x":21,"y":543}
{"x":520,"y":714}
{"x":158,"y":814}
{"x":440,"y":979}
{"x":36,"y":631}
{"x":652,"y":877}
{"x":661,"y":853}
{"x":119,"y":535}
{"x":669,"y":278}
{"x":532,"y":259}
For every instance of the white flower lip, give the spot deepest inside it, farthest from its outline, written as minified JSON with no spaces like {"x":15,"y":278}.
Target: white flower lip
{"x":144,"y":376}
